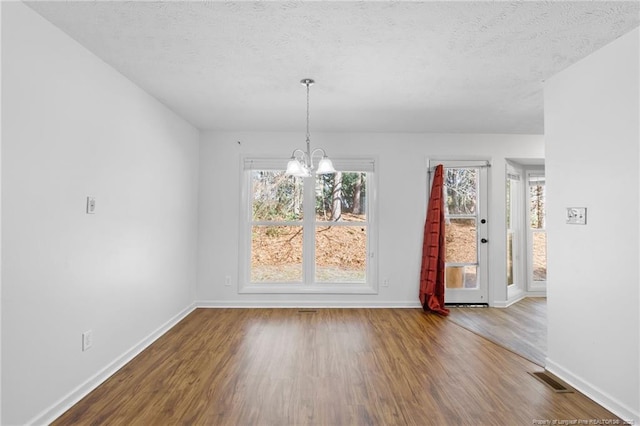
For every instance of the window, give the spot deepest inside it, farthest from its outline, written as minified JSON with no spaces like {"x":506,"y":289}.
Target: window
{"x":537,"y":232}
{"x":313,"y":235}
{"x":513,"y":225}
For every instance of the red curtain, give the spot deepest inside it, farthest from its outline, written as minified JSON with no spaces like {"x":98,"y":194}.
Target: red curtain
{"x":432,"y":271}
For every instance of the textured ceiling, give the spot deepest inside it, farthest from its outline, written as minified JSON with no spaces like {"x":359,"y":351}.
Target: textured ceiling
{"x":379,"y":66}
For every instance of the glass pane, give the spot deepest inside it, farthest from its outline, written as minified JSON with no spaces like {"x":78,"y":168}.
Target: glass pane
{"x":461,"y":276}
{"x":470,"y":276}
{"x":539,"y":256}
{"x":509,"y":258}
{"x":508,"y":203}
{"x":341,"y":253}
{"x":537,"y":201}
{"x":341,"y":197}
{"x":461,"y":241}
{"x":276,"y":254}
{"x":275,"y":196}
{"x":461,"y":187}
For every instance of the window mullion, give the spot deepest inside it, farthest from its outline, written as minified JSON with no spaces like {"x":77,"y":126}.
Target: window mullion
{"x":309,"y":231}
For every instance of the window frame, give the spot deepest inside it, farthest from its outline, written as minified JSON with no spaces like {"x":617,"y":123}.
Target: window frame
{"x":534,"y":285}
{"x":515,"y":229}
{"x":309,"y":224}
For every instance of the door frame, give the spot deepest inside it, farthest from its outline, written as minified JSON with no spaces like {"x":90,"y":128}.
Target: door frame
{"x":479,"y":295}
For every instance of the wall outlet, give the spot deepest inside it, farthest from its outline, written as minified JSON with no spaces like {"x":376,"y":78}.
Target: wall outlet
{"x":227,"y":280}
{"x":87,"y":340}
{"x":385,"y":282}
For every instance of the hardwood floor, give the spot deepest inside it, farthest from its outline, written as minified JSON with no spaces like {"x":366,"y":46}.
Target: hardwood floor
{"x":330,"y":367}
{"x":521,"y":328}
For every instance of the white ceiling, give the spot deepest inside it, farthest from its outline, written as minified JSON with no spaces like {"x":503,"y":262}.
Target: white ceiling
{"x":379,"y":66}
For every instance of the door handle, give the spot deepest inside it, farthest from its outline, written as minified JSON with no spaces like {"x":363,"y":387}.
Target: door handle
{"x":484,"y":241}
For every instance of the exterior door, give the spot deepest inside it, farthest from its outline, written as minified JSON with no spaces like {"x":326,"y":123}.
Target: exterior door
{"x":465,"y":231}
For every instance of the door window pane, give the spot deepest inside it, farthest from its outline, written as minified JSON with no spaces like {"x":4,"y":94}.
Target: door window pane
{"x":341,"y":253}
{"x":461,"y":240}
{"x":470,"y":276}
{"x":461,"y":276}
{"x":461,"y":186}
{"x":276,"y":253}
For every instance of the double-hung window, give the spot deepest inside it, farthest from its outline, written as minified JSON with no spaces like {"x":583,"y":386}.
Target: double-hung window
{"x":308,"y":235}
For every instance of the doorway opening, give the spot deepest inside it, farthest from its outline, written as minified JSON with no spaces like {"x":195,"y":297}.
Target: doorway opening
{"x":521,"y":327}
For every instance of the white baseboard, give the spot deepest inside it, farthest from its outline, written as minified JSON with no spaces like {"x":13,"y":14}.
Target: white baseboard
{"x":507,"y":303}
{"x":304,"y":304}
{"x":57,"y":409}
{"x":593,"y":392}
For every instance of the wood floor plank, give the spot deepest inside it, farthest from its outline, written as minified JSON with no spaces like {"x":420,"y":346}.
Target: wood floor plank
{"x":332,"y":367}
{"x":521,"y":328}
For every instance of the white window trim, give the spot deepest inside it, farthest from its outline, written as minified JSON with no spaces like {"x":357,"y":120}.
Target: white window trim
{"x":350,"y":164}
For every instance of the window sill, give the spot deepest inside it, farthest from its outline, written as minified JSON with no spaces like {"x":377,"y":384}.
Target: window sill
{"x":328,"y":288}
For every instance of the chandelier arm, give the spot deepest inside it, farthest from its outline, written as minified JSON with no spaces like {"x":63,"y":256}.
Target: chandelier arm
{"x":301,"y":156}
{"x":298,"y":151}
{"x":314,"y":152}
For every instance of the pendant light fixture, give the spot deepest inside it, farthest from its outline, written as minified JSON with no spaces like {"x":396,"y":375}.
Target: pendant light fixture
{"x":301,"y":162}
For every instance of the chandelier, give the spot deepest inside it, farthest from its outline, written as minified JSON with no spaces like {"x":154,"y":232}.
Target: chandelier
{"x":301,"y":162}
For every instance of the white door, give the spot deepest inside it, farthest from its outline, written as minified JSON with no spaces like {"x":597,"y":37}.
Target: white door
{"x":465,"y":187}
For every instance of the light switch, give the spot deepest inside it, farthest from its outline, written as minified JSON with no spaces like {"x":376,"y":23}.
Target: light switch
{"x":577,"y":215}
{"x":91,"y":205}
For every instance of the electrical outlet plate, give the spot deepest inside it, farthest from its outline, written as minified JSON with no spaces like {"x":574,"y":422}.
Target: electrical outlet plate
{"x":91,"y":205}
{"x":577,"y":215}
{"x":87,"y":340}
{"x":227,"y":280}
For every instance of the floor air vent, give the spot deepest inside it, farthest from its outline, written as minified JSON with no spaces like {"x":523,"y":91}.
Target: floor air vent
{"x":551,"y":381}
{"x":307,"y":311}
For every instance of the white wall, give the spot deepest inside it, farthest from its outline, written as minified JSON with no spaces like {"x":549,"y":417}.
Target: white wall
{"x":592,"y":146}
{"x":402,"y":177}
{"x":0,"y":228}
{"x":73,"y":127}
